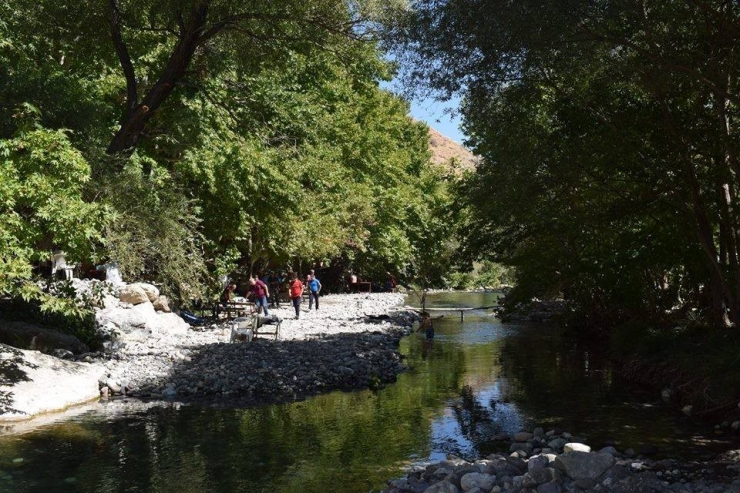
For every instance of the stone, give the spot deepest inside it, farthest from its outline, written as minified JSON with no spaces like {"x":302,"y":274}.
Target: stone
{"x":140,"y":322}
{"x":537,"y":462}
{"x":585,"y":484}
{"x":133,"y":294}
{"x":63,"y":353}
{"x":113,"y":386}
{"x":37,"y":383}
{"x":544,"y":475}
{"x":37,"y":338}
{"x":524,"y":447}
{"x":608,"y":450}
{"x":161,"y":304}
{"x":477,"y":480}
{"x":523,"y":436}
{"x":578,"y":465}
{"x":442,"y":487}
{"x":666,"y":395}
{"x":551,"y":487}
{"x":576,"y":447}
{"x":519,"y":465}
{"x":169,"y":323}
{"x":557,"y":443}
{"x":152,"y":292}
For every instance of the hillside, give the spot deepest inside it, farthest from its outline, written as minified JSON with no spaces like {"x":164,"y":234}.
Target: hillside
{"x":444,"y":149}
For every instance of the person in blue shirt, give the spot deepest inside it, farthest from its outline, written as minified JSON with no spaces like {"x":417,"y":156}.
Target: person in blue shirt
{"x":314,"y":287}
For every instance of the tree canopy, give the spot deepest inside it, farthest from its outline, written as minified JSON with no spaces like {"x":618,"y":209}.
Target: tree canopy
{"x":185,"y":139}
{"x":607,"y":130}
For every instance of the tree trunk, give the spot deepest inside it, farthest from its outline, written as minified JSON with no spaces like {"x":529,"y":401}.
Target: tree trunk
{"x":134,"y":121}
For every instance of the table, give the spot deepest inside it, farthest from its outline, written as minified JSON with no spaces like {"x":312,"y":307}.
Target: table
{"x":234,"y":307}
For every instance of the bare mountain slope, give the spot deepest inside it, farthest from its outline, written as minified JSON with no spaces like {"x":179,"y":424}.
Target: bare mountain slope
{"x":445,"y":149}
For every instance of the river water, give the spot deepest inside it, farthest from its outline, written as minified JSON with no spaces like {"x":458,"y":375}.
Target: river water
{"x":479,"y":378}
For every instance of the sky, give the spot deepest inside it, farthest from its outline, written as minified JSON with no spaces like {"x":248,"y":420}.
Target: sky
{"x":433,"y":113}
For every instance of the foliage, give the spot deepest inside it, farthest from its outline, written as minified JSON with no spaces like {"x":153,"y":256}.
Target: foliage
{"x":668,"y":357}
{"x":184,"y":140}
{"x":610,"y":170}
{"x":42,"y":177}
{"x":155,"y":233}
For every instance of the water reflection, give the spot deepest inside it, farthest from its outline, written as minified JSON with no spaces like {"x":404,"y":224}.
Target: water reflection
{"x":477,"y":380}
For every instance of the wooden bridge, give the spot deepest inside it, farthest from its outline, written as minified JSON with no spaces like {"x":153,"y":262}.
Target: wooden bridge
{"x":462,"y":310}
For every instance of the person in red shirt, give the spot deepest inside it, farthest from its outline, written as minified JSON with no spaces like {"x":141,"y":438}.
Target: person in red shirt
{"x":260,"y":291}
{"x":295,"y":291}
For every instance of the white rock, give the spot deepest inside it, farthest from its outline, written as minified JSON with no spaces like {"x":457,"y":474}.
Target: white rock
{"x":576,"y":447}
{"x":44,"y":383}
{"x":161,"y":304}
{"x":152,"y":292}
{"x":132,"y":294}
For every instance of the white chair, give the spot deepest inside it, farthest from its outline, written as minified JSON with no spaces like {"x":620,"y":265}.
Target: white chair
{"x":59,"y":264}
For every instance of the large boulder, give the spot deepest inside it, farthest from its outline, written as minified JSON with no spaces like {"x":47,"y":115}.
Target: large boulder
{"x":169,"y":324}
{"x":579,"y":465}
{"x":33,"y":383}
{"x":139,"y":323}
{"x":152,"y":292}
{"x":133,"y":294}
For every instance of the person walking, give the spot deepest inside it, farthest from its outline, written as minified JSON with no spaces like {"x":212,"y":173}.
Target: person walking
{"x":261,"y":292}
{"x":314,"y":287}
{"x":296,"y":293}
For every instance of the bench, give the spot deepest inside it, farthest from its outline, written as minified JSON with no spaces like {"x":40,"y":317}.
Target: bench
{"x":247,"y":328}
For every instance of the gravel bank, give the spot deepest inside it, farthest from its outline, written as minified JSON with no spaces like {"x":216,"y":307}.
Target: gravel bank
{"x":350,"y":343}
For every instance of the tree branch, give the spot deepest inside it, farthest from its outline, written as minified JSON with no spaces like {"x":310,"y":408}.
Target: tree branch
{"x":122,"y":52}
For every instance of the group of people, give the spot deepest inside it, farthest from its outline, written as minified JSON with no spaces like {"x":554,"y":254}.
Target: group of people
{"x":260,"y":292}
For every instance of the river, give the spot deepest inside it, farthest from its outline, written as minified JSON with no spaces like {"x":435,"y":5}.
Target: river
{"x":478,"y":379}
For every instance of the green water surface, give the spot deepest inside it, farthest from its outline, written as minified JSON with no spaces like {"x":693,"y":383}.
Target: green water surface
{"x":479,"y":378}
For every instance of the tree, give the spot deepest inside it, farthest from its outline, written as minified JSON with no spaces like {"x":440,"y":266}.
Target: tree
{"x":608,"y":142}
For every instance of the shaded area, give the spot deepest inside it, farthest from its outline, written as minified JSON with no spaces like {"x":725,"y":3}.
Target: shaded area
{"x":11,"y":372}
{"x":264,"y":370}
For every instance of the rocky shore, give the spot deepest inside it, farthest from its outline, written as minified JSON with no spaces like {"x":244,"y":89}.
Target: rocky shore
{"x":350,"y":343}
{"x":557,"y":462}
{"x":151,"y":353}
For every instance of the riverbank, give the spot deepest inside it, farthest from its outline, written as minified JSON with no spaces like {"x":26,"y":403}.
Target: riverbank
{"x":556,"y":461}
{"x":350,"y":343}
